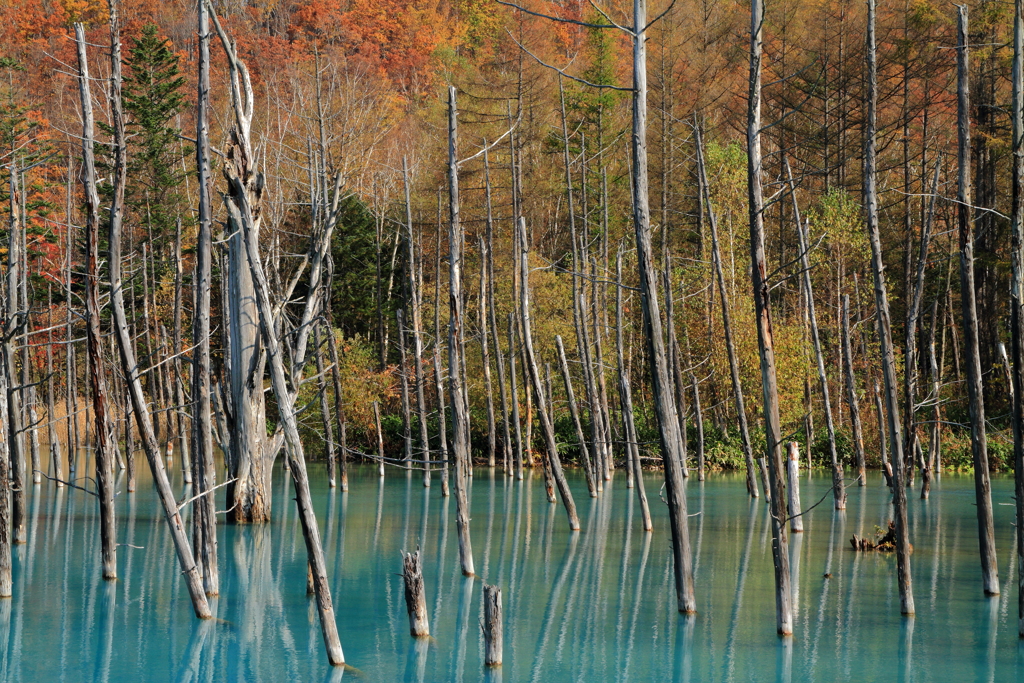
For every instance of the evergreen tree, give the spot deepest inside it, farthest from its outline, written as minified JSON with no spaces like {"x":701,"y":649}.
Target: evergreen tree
{"x":152,"y":101}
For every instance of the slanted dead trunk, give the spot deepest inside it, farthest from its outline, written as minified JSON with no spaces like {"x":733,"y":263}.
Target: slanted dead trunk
{"x":553,"y":461}
{"x":730,"y":345}
{"x":570,"y":395}
{"x":838,"y":490}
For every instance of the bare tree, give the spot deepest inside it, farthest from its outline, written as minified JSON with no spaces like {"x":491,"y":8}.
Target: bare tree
{"x":94,"y":339}
{"x":242,"y":201}
{"x":765,"y":342}
{"x":884,"y":329}
{"x":1017,"y":294}
{"x":972,"y":353}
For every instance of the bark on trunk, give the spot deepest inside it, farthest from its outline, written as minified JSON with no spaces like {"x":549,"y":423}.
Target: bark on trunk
{"x":796,"y":521}
{"x":1017,"y":294}
{"x":94,"y":339}
{"x":664,"y":403}
{"x":972,"y":353}
{"x":492,"y":626}
{"x":203,"y":470}
{"x":417,"y":326}
{"x":851,"y":395}
{"x":730,"y":346}
{"x":884,"y":328}
{"x":553,"y":461}
{"x":460,"y":417}
{"x":415,"y":594}
{"x":838,"y":490}
{"x":242,"y":202}
{"x":766,"y":346}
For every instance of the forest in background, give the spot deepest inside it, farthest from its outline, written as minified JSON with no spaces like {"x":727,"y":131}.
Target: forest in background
{"x":355,"y":87}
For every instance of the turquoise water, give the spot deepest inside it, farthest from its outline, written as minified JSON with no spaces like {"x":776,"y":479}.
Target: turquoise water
{"x":593,"y":606}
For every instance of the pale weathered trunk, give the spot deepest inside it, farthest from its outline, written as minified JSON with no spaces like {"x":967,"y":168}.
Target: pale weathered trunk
{"x":415,"y":594}
{"x":664,"y":403}
{"x":626,"y":398}
{"x":730,"y":345}
{"x":570,"y":396}
{"x":518,"y":464}
{"x":766,"y":345}
{"x":838,"y":490}
{"x":460,"y":417}
{"x":1017,"y":294}
{"x":492,"y":626}
{"x":202,"y":456}
{"x":972,"y":352}
{"x":403,"y":371}
{"x":884,"y":328}
{"x":417,"y":325}
{"x":94,"y":339}
{"x":851,"y":395}
{"x":553,"y":461}
{"x":242,"y":202}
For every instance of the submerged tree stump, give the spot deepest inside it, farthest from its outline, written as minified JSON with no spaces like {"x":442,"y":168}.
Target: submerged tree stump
{"x":885,"y":540}
{"x":796,"y":524}
{"x":415,"y":596}
{"x":492,"y":626}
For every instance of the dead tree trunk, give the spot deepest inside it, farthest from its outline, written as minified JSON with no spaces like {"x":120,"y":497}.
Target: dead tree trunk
{"x":972,"y":353}
{"x":325,"y":409}
{"x":339,"y":406}
{"x":415,"y":594}
{"x":884,"y":328}
{"x":1017,"y":294}
{"x":242,"y":202}
{"x":492,"y":626}
{"x":851,"y":395}
{"x":140,"y":407}
{"x":442,"y":427}
{"x":51,"y":410}
{"x":838,"y":491}
{"x":933,"y":446}
{"x":730,"y":345}
{"x":793,"y":469}
{"x":492,"y":320}
{"x":485,"y":277}
{"x":94,"y":339}
{"x":664,"y":403}
{"x":10,"y":327}
{"x":626,"y":397}
{"x":460,"y":417}
{"x":910,"y":351}
{"x":553,"y":461}
{"x":417,"y":326}
{"x":766,"y":345}
{"x":570,"y":395}
{"x":403,"y":369}
{"x":204,"y":472}
{"x":515,"y":396}
{"x":380,"y":439}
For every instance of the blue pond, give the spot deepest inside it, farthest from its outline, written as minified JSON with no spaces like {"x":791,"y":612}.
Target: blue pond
{"x":594,"y":606}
